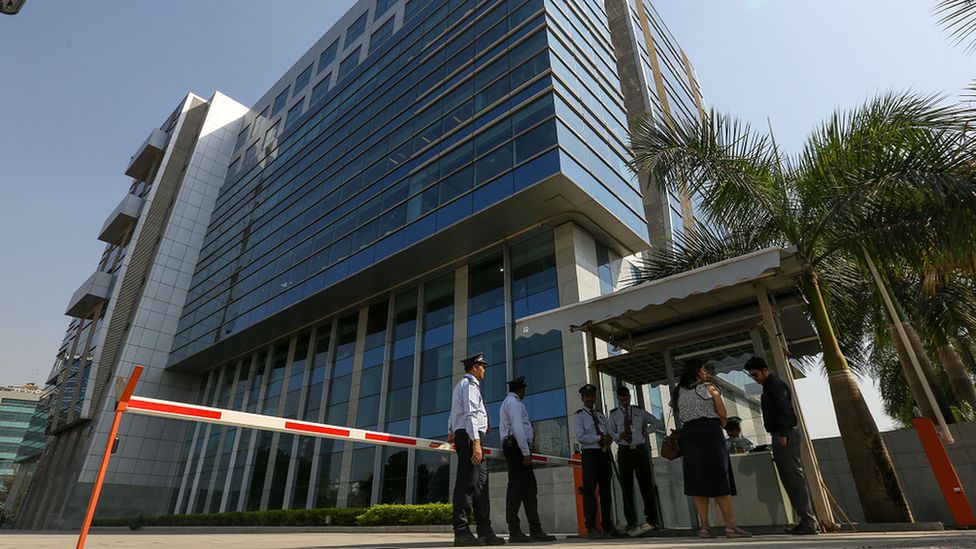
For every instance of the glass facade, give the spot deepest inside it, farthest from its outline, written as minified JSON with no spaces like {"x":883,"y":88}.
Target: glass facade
{"x":411,"y":126}
{"x":401,"y":349}
{"x":16,"y":413}
{"x":663,"y":82}
{"x":466,"y":104}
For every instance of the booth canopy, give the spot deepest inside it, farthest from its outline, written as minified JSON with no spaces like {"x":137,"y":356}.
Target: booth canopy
{"x":710,"y":312}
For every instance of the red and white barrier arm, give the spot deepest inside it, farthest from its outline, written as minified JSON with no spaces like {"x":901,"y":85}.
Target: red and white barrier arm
{"x":192,"y":412}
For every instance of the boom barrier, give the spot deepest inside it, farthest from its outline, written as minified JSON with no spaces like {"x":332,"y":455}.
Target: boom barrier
{"x":234,"y":418}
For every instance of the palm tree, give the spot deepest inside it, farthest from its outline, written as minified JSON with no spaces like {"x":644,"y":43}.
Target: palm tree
{"x":850,"y":189}
{"x":958,"y":17}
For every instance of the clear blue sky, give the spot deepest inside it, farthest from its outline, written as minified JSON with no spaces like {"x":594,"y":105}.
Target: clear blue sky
{"x":84,"y":82}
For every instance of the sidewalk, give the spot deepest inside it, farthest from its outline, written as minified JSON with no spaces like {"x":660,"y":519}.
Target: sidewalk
{"x":11,"y":540}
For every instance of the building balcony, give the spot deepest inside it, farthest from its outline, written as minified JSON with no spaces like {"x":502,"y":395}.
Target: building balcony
{"x":121,"y":219}
{"x":92,"y":292}
{"x":148,"y":153}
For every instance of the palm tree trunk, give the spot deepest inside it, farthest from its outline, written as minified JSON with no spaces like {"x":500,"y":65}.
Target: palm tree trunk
{"x":914,"y":383}
{"x":878,"y":488}
{"x":962,"y":385}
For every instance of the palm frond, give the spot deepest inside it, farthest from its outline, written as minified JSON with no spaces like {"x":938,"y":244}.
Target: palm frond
{"x":698,"y":248}
{"x":718,"y":158}
{"x":958,"y":17}
{"x":897,"y":148}
{"x":855,"y":309}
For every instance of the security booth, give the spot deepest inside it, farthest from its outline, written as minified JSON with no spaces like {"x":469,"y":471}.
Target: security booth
{"x":723,"y":313}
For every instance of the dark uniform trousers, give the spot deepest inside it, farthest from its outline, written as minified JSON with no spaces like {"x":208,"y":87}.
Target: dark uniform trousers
{"x":470,"y":488}
{"x":597,"y":472}
{"x":637,"y":461}
{"x":791,"y":475}
{"x":522,"y":489}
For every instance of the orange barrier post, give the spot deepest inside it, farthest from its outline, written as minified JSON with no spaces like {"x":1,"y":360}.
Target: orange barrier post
{"x":578,"y":483}
{"x":945,"y":473}
{"x":120,"y":406}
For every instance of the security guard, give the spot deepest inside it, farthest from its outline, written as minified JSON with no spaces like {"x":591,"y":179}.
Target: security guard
{"x":468,"y":424}
{"x":593,"y":434}
{"x":517,"y":436}
{"x":629,"y":425}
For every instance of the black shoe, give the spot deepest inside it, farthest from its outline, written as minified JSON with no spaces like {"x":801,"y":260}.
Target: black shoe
{"x":614,"y":533}
{"x":542,"y":536}
{"x":491,"y":539}
{"x":467,"y":540}
{"x":519,"y":537}
{"x":802,"y":530}
{"x":597,"y":534}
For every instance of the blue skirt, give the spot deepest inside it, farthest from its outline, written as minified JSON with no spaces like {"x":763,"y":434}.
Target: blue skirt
{"x":707,"y":467}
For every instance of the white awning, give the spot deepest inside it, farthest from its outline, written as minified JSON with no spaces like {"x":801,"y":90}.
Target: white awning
{"x":715,"y":301}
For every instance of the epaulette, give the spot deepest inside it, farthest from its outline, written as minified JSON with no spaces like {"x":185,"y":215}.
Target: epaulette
{"x":580,"y":410}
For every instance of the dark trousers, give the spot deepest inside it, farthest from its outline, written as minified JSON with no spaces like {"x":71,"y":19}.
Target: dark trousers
{"x":637,"y":461}
{"x":522,"y":490}
{"x":596,"y":474}
{"x":791,"y":475}
{"x":470,"y":488}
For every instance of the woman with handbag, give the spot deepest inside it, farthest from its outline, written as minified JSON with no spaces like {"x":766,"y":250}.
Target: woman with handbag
{"x":707,"y":467}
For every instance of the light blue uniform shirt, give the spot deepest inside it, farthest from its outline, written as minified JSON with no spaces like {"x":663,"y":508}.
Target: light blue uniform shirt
{"x":585,"y":430}
{"x":515,"y":422}
{"x":468,"y":410}
{"x":640,"y":420}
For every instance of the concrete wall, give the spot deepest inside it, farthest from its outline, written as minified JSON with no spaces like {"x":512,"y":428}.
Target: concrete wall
{"x":557,"y":500}
{"x":913,"y":469}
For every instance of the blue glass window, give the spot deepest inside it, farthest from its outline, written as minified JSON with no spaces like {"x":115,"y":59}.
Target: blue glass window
{"x":295,"y":113}
{"x":413,"y":7}
{"x":242,"y":137}
{"x":382,"y":6}
{"x":280,"y":101}
{"x":234,"y":166}
{"x":349,"y":63}
{"x":320,"y":89}
{"x":381,"y":34}
{"x":356,"y":29}
{"x":251,"y":155}
{"x":328,"y":56}
{"x":303,"y":79}
{"x":271,"y":135}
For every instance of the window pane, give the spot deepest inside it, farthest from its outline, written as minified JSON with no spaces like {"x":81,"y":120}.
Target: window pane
{"x":328,"y":56}
{"x":303,"y":79}
{"x":320,"y":89}
{"x":280,"y":101}
{"x":356,"y":29}
{"x":295,"y":113}
{"x":349,"y":63}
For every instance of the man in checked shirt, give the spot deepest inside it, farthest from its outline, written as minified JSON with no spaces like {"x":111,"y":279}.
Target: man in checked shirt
{"x":517,"y":437}
{"x":628,"y":425}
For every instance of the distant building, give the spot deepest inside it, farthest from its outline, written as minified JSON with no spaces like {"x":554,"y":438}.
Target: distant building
{"x":424,"y":175}
{"x":18,"y":406}
{"x":29,"y":453}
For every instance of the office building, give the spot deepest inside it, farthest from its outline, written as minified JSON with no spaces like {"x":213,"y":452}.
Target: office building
{"x":125,"y":313}
{"x":17,"y":407}
{"x":425,"y":174}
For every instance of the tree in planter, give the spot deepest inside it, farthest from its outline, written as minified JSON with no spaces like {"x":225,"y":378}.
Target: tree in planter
{"x":855,"y":176}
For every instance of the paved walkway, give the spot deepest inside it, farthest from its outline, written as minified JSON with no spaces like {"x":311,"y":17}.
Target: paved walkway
{"x":11,"y":539}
